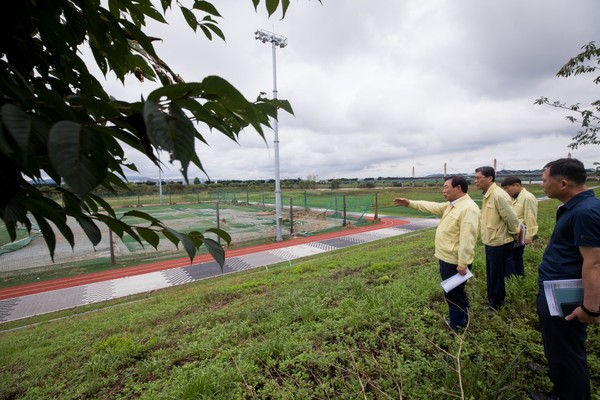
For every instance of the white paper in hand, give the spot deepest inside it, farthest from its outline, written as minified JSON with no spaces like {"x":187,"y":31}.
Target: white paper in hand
{"x":456,"y":280}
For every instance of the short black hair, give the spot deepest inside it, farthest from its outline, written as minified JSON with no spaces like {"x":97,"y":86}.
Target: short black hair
{"x":487,"y":172}
{"x":458,"y":181}
{"x":510,"y":180}
{"x":567,"y":168}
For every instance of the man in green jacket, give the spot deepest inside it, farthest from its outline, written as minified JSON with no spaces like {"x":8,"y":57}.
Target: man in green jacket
{"x":499,"y":228}
{"x":455,"y":240}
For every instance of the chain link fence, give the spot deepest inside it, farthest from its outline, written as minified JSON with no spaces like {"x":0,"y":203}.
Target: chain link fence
{"x":247,"y":216}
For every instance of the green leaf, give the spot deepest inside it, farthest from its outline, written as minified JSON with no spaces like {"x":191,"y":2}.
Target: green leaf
{"x":18,"y":124}
{"x":94,"y":105}
{"x":103,"y":203}
{"x":197,"y":238}
{"x":166,"y":4}
{"x":50,"y":210}
{"x":206,"y":7}
{"x":230,"y":99}
{"x":69,"y":199}
{"x":148,"y":235}
{"x":113,"y":180}
{"x":13,"y":84}
{"x":172,"y":238}
{"x":190,"y":18}
{"x":11,"y":227}
{"x":47,"y":233}
{"x":206,"y":31}
{"x":90,"y":229}
{"x":188,"y":244}
{"x":221,"y":233}
{"x":216,"y":251}
{"x":139,"y":36}
{"x":182,"y":134}
{"x":143,"y":215}
{"x":201,"y":114}
{"x":156,"y":123}
{"x":118,"y":227}
{"x":285,"y":105}
{"x":213,"y":27}
{"x":271,"y":6}
{"x":78,"y":156}
{"x":16,"y":211}
{"x":284,"y":7}
{"x":176,"y":91}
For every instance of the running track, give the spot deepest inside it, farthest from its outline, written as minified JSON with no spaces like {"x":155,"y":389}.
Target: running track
{"x":37,"y":298}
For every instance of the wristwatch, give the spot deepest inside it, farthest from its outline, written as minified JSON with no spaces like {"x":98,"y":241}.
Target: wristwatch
{"x":590,"y":313}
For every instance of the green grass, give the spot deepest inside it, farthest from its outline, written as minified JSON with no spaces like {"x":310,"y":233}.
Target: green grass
{"x":365,"y":322}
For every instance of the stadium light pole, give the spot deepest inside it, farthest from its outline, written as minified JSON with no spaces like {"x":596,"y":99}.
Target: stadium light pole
{"x":276,"y":41}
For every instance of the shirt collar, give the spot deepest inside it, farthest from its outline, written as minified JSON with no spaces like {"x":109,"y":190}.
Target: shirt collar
{"x":488,"y":191}
{"x":464,"y":196}
{"x":579,"y":197}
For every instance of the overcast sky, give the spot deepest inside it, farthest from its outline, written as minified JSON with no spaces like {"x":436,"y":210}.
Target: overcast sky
{"x":382,"y":87}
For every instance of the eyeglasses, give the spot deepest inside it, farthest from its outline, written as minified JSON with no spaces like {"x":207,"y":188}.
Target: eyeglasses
{"x":478,"y":178}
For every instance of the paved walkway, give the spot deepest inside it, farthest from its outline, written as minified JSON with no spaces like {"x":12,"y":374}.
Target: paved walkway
{"x":45,"y":297}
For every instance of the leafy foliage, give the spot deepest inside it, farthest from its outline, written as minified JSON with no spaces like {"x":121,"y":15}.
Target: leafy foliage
{"x":586,"y":62}
{"x":58,"y":122}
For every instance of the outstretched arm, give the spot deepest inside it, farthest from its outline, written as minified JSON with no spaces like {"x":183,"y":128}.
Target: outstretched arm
{"x":401,"y":201}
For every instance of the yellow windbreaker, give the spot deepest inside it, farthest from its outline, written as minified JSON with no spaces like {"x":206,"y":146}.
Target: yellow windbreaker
{"x":526,"y":208}
{"x":499,"y":223}
{"x":456,"y":233}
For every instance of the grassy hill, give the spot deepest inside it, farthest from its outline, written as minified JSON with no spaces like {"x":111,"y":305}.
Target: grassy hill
{"x":365,"y":322}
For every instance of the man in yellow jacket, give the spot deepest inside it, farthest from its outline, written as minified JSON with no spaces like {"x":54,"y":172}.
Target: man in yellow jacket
{"x":455,"y":240}
{"x":526,"y":207}
{"x":499,"y":228}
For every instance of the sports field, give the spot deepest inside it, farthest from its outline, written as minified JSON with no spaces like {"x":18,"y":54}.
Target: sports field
{"x":249,"y":217}
{"x":244,"y":223}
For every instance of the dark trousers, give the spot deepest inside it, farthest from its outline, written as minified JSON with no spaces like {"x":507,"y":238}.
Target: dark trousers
{"x":495,"y":262}
{"x":514,"y":262}
{"x":564,"y":346}
{"x":458,"y":302}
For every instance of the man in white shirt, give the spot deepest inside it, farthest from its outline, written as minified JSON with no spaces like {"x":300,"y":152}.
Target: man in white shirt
{"x":455,"y":240}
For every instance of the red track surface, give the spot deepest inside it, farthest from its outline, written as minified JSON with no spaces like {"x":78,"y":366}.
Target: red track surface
{"x":46,"y":286}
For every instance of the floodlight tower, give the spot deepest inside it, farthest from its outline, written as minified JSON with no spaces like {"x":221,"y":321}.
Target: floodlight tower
{"x":276,"y":41}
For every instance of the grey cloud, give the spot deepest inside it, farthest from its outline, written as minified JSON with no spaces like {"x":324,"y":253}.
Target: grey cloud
{"x":380,"y":88}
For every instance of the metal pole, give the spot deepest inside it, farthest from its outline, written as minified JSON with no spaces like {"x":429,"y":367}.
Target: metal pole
{"x":218,"y":221}
{"x":281,"y":41}
{"x":291,"y":216}
{"x":159,"y":179}
{"x":344,"y":204}
{"x":112,"y":247}
{"x":278,"y":221}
